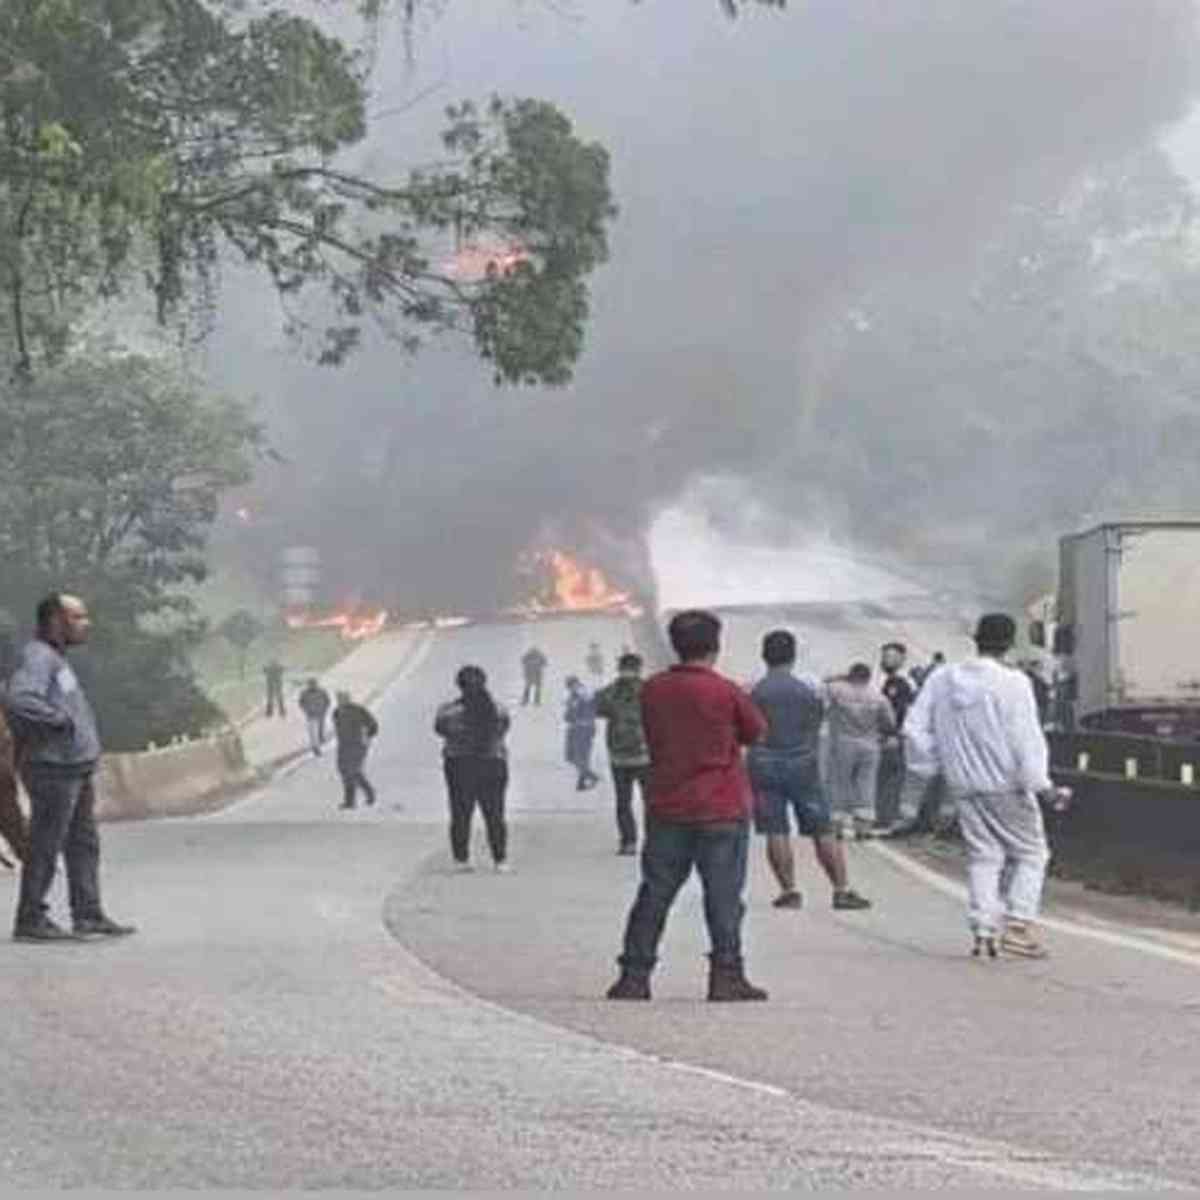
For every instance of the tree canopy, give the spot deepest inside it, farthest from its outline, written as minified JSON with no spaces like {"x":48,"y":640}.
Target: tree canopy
{"x":151,"y":140}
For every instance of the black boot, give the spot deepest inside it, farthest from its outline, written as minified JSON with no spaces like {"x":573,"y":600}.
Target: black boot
{"x":728,"y":982}
{"x":632,"y":985}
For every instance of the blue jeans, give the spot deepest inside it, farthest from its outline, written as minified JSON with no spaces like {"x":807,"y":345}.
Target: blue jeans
{"x":668,"y":856}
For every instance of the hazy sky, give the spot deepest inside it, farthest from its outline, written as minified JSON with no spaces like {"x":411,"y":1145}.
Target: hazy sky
{"x":766,"y":169}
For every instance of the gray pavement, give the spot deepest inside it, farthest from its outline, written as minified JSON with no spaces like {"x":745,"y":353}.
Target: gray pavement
{"x":315,"y":1001}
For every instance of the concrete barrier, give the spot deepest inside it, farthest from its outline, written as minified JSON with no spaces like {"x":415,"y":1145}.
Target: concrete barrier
{"x":172,"y":781}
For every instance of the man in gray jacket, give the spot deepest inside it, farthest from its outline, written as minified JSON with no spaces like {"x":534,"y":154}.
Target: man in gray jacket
{"x":56,"y":727}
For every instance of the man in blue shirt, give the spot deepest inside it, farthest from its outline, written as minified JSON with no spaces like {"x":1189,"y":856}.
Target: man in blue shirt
{"x":785,"y":774}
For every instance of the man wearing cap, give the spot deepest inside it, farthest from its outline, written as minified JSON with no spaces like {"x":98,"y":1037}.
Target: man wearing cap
{"x":976,"y":722}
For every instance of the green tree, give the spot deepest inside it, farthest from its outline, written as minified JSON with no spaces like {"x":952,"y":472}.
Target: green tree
{"x":154,"y":138}
{"x":241,"y":629}
{"x":111,"y":470}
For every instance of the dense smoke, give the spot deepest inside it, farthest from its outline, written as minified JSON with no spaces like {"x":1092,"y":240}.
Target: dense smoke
{"x":770,"y":171}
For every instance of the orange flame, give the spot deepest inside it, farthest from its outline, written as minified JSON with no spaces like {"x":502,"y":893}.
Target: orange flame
{"x":353,"y":626}
{"x":572,"y":586}
{"x":475,"y":261}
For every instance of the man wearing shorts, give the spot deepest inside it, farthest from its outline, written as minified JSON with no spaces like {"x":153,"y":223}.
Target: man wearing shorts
{"x":785,"y":774}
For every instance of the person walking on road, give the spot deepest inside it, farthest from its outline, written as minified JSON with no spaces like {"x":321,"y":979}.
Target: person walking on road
{"x":785,"y":774}
{"x":273,"y":672}
{"x":860,"y":718}
{"x":475,"y":762}
{"x":977,"y":723}
{"x":697,"y":723}
{"x":580,"y":718}
{"x":533,"y":664}
{"x":355,"y":728}
{"x":314,"y":704}
{"x":620,"y":705}
{"x":595,"y":659}
{"x":59,"y":749}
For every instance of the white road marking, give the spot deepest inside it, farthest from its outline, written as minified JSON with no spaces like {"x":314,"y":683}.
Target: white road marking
{"x":1009,"y":1163}
{"x":1109,"y":936}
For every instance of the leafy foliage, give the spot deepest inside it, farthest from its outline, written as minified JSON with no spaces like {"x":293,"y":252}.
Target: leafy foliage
{"x":154,"y":137}
{"x":110,"y":475}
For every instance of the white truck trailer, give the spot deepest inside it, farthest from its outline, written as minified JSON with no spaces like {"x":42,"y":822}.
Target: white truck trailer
{"x":1128,"y":627}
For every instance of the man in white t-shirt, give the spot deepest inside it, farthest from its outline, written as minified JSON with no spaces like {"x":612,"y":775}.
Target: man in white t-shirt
{"x":976,"y":722}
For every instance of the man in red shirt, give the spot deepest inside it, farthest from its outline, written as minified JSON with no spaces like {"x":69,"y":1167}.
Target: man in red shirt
{"x":698,"y":810}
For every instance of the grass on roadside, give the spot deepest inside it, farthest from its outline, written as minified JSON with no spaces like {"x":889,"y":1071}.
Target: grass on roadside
{"x":242,"y":692}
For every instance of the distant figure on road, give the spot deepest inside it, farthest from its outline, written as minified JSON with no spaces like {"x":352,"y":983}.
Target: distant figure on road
{"x":355,"y":728}
{"x":476,"y":766}
{"x":580,"y":718}
{"x":59,"y":750}
{"x":273,"y":672}
{"x":977,"y":723}
{"x":13,"y":826}
{"x":859,"y":719}
{"x":533,"y":664}
{"x":697,"y":723}
{"x":785,"y":773}
{"x":900,"y":695}
{"x":620,"y":705}
{"x":314,"y":704}
{"x":595,"y":659}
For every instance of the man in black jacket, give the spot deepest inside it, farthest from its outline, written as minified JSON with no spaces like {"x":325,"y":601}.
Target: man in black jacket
{"x":355,"y":728}
{"x":900,"y":695}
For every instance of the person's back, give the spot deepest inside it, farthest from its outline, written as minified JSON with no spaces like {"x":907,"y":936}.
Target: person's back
{"x":460,"y":738}
{"x":857,"y":711}
{"x":354,"y":726}
{"x":981,"y":716}
{"x":794,"y":707}
{"x":314,"y":701}
{"x":696,"y":724}
{"x":620,"y":705}
{"x":699,"y":803}
{"x":534,"y":663}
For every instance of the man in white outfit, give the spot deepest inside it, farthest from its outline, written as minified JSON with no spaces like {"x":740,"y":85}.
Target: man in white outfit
{"x":977,"y":723}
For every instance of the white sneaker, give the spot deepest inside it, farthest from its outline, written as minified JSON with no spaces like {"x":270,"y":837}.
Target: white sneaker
{"x":502,"y":868}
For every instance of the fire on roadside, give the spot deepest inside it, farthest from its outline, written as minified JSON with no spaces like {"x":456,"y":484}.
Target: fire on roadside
{"x":353,"y":626}
{"x":476,"y":261}
{"x":570,"y":585}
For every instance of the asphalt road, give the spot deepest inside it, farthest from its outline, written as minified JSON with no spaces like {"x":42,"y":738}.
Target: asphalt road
{"x":315,"y":1001}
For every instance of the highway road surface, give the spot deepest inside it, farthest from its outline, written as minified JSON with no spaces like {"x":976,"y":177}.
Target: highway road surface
{"x":315,"y":1000}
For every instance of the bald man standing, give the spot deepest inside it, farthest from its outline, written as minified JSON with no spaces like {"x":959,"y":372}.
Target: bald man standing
{"x":60,"y":743}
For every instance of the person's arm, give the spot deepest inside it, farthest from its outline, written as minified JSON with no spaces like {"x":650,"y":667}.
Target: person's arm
{"x":28,"y":699}
{"x":371,"y":723}
{"x":1025,"y":736}
{"x":920,"y":745}
{"x":603,"y":704}
{"x":441,"y":721}
{"x":503,"y":720}
{"x":751,"y":724}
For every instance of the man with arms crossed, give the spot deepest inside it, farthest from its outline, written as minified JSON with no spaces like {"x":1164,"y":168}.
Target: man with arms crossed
{"x":976,"y":722}
{"x":699,"y":804}
{"x":785,"y":773}
{"x":60,"y":748}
